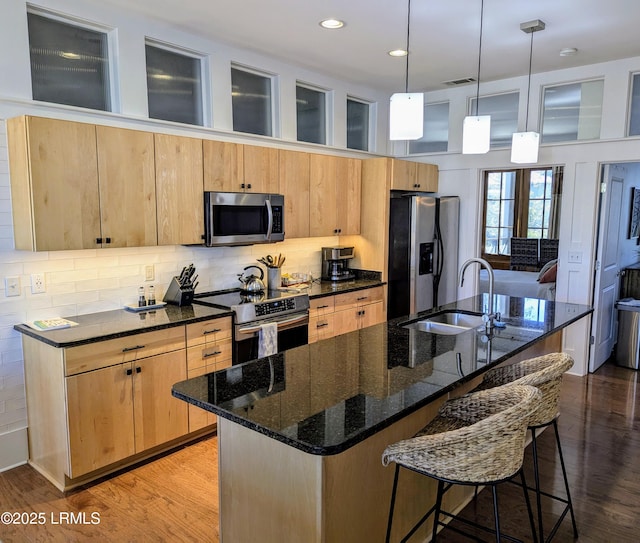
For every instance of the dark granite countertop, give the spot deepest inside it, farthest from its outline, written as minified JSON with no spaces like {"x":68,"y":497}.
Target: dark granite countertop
{"x":105,"y":325}
{"x":319,"y":289}
{"x":325,"y":397}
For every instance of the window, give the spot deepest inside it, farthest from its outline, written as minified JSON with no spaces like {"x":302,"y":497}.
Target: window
{"x":251,"y":100}
{"x":69,"y":63}
{"x":520,"y":203}
{"x":503,"y":109}
{"x":311,"y":110}
{"x":174,"y":85}
{"x":436,"y":130}
{"x":572,"y":112}
{"x":634,"y":116}
{"x":358,"y":120}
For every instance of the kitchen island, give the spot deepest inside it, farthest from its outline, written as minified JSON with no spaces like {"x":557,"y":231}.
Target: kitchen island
{"x":301,"y":433}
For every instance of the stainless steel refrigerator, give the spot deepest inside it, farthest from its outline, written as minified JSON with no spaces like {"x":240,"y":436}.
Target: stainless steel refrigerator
{"x":423,"y":252}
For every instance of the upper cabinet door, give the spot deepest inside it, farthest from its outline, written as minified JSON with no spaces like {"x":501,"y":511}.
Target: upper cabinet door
{"x":54,"y":184}
{"x":348,"y":195}
{"x":179,"y":190}
{"x":323,"y":175}
{"x":403,"y":174}
{"x":127,"y":187}
{"x":223,"y":166}
{"x":261,"y":169}
{"x":294,"y":184}
{"x":427,"y":177}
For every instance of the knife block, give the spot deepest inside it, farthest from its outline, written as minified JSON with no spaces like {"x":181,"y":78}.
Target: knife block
{"x":178,"y":295}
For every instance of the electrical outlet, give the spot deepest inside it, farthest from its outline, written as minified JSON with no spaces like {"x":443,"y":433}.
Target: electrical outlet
{"x":149,"y":273}
{"x":37,"y":283}
{"x":12,"y":286}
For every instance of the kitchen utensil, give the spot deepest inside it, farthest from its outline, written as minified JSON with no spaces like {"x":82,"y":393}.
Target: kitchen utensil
{"x":252,"y":283}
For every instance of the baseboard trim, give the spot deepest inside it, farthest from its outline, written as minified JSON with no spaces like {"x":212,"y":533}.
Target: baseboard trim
{"x":14,"y":449}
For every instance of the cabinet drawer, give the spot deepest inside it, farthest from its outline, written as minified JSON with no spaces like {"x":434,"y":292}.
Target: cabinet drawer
{"x":209,"y":355}
{"x":350,"y":300}
{"x":321,"y":306}
{"x":208,"y":331}
{"x":321,"y":327}
{"x":102,"y":354}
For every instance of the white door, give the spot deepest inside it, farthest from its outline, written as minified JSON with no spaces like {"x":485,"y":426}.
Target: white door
{"x":604,"y":323}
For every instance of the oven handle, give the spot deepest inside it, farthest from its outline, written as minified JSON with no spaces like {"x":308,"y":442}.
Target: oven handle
{"x":251,"y":329}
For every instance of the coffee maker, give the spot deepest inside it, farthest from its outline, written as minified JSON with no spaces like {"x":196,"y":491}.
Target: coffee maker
{"x":335,"y":263}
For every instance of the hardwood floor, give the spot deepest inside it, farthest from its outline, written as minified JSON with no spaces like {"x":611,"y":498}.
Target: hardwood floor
{"x":174,"y":498}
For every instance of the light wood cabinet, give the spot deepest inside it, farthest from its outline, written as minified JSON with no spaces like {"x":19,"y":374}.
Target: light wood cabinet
{"x":294,"y":184}
{"x":81,"y":186}
{"x":330,"y":316}
{"x":54,"y":184}
{"x":209,"y":349}
{"x":127,"y":188}
{"x":407,"y":175}
{"x":179,"y":189}
{"x":261,"y":169}
{"x":98,"y":407}
{"x":335,"y":186}
{"x":223,"y":166}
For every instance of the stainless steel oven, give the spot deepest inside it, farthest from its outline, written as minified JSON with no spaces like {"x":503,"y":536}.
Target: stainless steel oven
{"x":289,"y":311}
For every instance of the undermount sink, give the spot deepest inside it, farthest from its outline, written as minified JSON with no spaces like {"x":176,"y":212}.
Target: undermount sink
{"x":448,"y":323}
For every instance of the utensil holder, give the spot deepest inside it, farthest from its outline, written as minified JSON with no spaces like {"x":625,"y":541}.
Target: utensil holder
{"x":178,"y":295}
{"x":274,"y":278}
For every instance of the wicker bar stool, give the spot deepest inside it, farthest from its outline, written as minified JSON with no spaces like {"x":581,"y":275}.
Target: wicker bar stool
{"x":475,"y":439}
{"x":545,"y":373}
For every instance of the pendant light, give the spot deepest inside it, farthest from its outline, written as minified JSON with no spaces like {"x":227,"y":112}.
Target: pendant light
{"x":406,"y":110}
{"x":525,"y":145}
{"x":476,"y":129}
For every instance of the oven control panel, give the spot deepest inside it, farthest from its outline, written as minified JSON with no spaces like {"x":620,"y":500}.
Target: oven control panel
{"x":274,"y":307}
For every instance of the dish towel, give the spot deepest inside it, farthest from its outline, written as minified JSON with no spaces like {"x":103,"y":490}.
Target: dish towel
{"x":268,"y":339}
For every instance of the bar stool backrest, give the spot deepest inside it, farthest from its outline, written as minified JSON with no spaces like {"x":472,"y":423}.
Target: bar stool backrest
{"x":489,"y":446}
{"x":543,"y":372}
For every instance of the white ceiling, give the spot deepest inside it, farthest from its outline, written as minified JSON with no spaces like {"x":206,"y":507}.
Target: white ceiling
{"x":444,"y":35}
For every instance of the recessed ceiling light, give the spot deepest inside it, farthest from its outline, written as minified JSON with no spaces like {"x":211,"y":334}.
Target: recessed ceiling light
{"x":332,"y":24}
{"x":568,"y":51}
{"x":398,"y":53}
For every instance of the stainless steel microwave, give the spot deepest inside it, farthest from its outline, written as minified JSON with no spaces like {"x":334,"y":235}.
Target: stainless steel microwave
{"x":243,"y":218}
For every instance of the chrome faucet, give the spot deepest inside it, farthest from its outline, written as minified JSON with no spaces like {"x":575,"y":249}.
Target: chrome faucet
{"x":488,"y":316}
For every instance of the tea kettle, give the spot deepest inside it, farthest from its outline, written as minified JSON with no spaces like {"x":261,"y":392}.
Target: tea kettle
{"x":252,"y":283}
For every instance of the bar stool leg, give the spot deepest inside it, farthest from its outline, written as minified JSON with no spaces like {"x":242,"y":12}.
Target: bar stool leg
{"x":496,"y":512}
{"x":536,"y":475}
{"x":436,"y":515}
{"x":528,"y":502}
{"x":393,"y":502}
{"x":566,"y":481}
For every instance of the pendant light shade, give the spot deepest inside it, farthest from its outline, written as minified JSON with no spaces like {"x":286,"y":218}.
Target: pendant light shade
{"x":476,"y":135}
{"x":476,"y":130}
{"x":525,"y":145}
{"x":406,"y":112}
{"x":406,"y":109}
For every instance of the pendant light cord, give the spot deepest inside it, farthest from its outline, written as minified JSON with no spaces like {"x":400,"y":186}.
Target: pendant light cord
{"x":526,"y":119}
{"x":479,"y":57}
{"x":406,"y":80}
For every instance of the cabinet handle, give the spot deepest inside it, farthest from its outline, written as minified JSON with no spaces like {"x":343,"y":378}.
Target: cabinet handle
{"x":207,"y":355}
{"x":107,"y":240}
{"x":129,"y":371}
{"x":241,"y":185}
{"x":322,"y":307}
{"x":127,"y":349}
{"x":322,"y":324}
{"x":98,"y":240}
{"x":205,"y":332}
{"x":339,"y":230}
{"x":138,"y":369}
{"x":249,"y":186}
{"x":361,"y":298}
